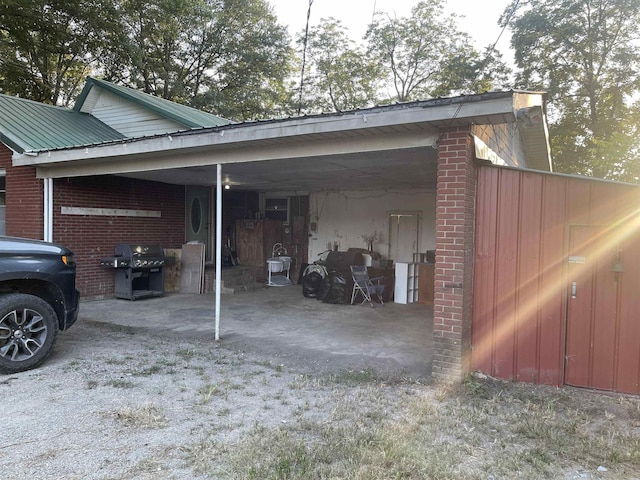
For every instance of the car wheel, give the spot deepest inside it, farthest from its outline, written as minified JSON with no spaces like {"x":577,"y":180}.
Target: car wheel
{"x":28,"y":329}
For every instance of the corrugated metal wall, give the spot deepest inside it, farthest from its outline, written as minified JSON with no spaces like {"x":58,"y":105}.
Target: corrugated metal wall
{"x":522,"y":279}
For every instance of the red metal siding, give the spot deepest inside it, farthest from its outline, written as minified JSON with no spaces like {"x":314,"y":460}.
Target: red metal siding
{"x":628,"y":352}
{"x":527,"y":225}
{"x":528,"y":263}
{"x":551,"y":301}
{"x":92,"y":237}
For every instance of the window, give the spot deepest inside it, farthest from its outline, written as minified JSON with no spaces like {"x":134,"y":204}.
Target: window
{"x":3,"y":203}
{"x":277,"y":209}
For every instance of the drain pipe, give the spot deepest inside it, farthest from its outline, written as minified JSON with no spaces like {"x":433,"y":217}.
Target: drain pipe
{"x":48,"y":210}
{"x":218,"y":246}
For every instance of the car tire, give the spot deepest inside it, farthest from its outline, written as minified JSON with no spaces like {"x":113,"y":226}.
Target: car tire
{"x":28,"y":330}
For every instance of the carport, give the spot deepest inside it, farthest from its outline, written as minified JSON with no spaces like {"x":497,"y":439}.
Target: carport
{"x":428,"y":146}
{"x":279,"y":322}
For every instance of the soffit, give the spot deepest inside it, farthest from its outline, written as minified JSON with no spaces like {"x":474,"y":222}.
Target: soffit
{"x":404,"y":169}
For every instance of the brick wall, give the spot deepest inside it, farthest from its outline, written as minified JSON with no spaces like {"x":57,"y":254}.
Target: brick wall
{"x":92,"y":237}
{"x":24,"y":199}
{"x":455,"y":214}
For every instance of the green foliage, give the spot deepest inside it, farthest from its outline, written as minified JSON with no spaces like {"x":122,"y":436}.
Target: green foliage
{"x":48,"y":47}
{"x":339,"y":76}
{"x":585,"y":54}
{"x":227,"y":56}
{"x":425,"y":55}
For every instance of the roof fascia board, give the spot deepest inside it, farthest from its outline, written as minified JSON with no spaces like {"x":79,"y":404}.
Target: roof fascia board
{"x":9,"y":142}
{"x":126,"y":163}
{"x":237,"y":136}
{"x":77,"y":106}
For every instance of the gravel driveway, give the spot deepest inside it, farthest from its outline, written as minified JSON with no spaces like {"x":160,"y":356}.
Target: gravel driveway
{"x":121,"y":403}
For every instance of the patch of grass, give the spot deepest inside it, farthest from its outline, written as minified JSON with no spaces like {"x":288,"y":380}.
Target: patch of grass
{"x":121,"y":359}
{"x":73,"y":364}
{"x":300,"y":382}
{"x":279,"y":368}
{"x":148,"y":371}
{"x":301,"y":409}
{"x":147,"y":416}
{"x":120,"y":383}
{"x":188,"y":353}
{"x":355,"y":377}
{"x":481,"y":429}
{"x":209,"y":390}
{"x":91,"y":384}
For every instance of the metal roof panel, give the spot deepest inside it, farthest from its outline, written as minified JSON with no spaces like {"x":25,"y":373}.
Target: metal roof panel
{"x":28,"y":126}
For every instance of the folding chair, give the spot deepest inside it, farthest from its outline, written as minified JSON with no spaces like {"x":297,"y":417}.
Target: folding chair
{"x":365,"y":285}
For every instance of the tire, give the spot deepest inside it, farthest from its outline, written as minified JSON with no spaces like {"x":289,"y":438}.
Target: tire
{"x":28,"y":330}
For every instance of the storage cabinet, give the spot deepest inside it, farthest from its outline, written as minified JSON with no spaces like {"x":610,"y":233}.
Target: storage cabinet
{"x":255,"y":239}
{"x":426,"y":283}
{"x":406,"y":288}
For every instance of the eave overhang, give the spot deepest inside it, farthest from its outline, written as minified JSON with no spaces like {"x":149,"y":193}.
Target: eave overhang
{"x":394,"y":127}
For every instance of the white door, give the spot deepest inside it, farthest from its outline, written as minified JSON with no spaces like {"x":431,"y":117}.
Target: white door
{"x":197,"y":217}
{"x":403,"y":236}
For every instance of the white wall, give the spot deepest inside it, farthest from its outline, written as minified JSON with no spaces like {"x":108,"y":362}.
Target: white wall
{"x":342,"y":216}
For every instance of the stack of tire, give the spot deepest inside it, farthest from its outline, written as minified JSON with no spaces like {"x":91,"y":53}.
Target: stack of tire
{"x":334,"y":287}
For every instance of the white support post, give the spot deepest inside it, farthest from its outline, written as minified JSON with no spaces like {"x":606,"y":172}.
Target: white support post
{"x":48,"y":210}
{"x":218,"y":246}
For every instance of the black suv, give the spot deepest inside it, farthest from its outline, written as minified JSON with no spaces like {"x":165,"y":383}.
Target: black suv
{"x":38,"y":297}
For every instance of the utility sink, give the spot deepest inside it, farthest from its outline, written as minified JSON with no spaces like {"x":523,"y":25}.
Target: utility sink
{"x":286,"y":261}
{"x":279,"y":264}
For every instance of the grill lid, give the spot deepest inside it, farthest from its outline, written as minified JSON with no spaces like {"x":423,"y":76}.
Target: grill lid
{"x":137,"y":251}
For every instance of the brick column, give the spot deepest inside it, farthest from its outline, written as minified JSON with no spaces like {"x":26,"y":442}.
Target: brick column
{"x":455,"y":222}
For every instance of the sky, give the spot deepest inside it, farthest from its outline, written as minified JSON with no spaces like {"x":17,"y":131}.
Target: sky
{"x":481,"y":16}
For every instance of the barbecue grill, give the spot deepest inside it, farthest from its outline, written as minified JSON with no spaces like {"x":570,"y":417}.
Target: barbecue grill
{"x":139,"y":270}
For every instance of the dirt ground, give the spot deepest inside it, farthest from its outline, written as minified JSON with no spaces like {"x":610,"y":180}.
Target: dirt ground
{"x":120,"y":403}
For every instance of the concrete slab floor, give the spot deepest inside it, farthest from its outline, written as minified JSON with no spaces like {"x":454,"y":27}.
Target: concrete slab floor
{"x":280,"y":322}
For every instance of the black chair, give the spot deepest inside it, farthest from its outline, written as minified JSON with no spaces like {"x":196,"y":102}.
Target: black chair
{"x":366,"y":286}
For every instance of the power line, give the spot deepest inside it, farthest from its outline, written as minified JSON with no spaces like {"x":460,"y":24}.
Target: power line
{"x":493,"y":48}
{"x":304,"y":56}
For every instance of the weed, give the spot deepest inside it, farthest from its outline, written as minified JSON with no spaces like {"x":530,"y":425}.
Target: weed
{"x":147,"y":416}
{"x":146,"y":372}
{"x":116,"y":361}
{"x":120,"y":383}
{"x":72,"y":364}
{"x":187,"y":353}
{"x":355,"y":377}
{"x":206,"y":392}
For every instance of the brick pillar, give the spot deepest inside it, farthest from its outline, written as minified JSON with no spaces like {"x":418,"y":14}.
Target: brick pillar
{"x":455,"y":221}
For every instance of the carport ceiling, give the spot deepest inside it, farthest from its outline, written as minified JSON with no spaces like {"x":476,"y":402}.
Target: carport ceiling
{"x":413,"y":168}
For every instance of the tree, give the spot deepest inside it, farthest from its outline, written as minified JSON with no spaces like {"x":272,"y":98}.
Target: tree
{"x":585,"y":54}
{"x":47,"y":47}
{"x":339,"y":76}
{"x":227,"y":56}
{"x":426,"y":55}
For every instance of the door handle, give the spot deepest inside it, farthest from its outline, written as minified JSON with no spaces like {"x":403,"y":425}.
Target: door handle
{"x":574,"y":289}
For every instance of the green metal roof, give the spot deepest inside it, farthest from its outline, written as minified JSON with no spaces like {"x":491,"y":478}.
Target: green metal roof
{"x":187,"y":116}
{"x":28,"y":126}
